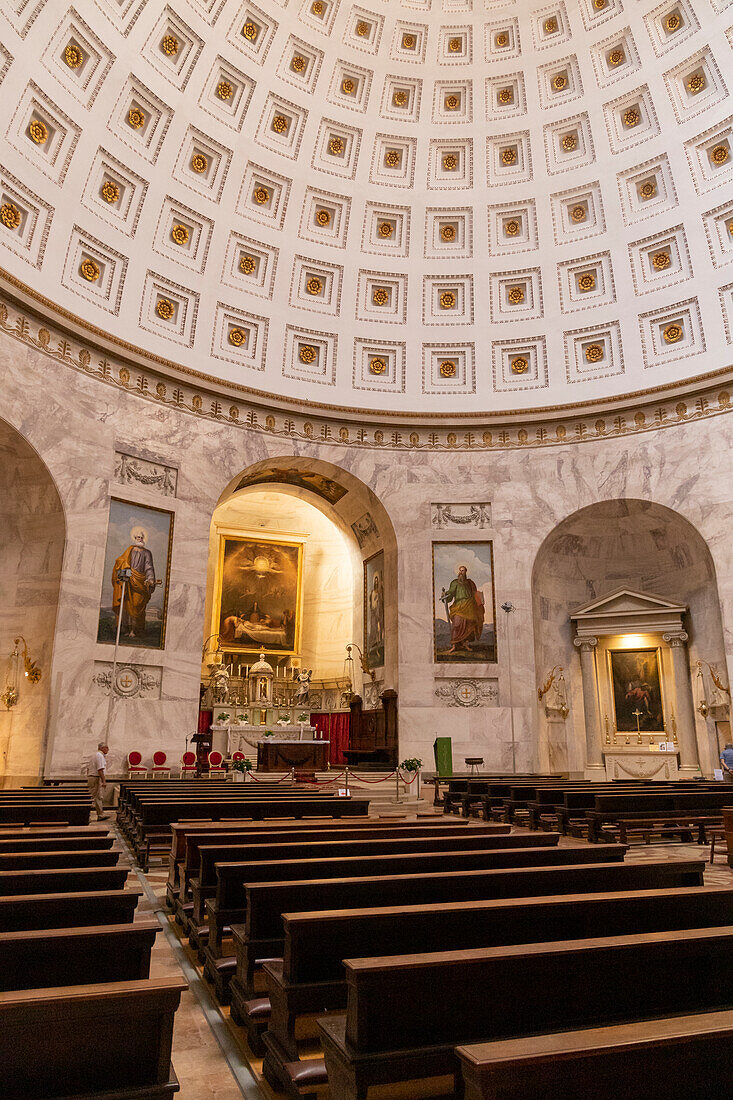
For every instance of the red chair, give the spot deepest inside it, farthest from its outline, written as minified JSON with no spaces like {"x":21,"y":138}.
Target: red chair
{"x":135,"y":767}
{"x":238,"y":756}
{"x":216,"y":764}
{"x":160,"y":768}
{"x":188,"y":765}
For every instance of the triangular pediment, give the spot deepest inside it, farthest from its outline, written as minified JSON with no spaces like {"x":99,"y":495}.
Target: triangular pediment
{"x":627,"y":601}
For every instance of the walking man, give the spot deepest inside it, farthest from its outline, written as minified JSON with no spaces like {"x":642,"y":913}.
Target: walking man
{"x":97,"y":779}
{"x":726,"y":760}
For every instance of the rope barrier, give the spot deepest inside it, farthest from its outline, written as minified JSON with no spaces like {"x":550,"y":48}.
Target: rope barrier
{"x":363,"y":779}
{"x":280,"y":780}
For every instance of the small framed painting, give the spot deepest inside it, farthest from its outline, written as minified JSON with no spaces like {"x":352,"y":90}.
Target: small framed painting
{"x":374,"y":610}
{"x":136,"y":575}
{"x":637,"y":690}
{"x":464,"y":613}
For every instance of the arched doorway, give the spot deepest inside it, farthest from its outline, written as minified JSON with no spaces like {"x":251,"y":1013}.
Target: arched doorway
{"x":32,"y":537}
{"x":598,"y":550}
{"x":301,"y":565}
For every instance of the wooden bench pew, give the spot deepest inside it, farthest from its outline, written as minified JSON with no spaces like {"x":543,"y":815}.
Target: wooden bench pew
{"x":67,"y":910}
{"x":228,"y":906}
{"x":56,"y":843}
{"x":110,"y":1039}
{"x":29,"y":861}
{"x":204,"y":885}
{"x":62,"y":880}
{"x":686,"y":1058}
{"x":668,"y":805}
{"x":261,"y":936}
{"x":38,"y":958}
{"x":28,"y":813}
{"x":493,"y":994}
{"x":310,"y":976}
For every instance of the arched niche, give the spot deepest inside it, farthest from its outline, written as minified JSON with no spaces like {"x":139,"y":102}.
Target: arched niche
{"x":610,"y":545}
{"x":32,"y":538}
{"x":348,"y":527}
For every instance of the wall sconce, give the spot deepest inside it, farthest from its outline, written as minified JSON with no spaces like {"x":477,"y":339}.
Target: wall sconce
{"x":11,"y":696}
{"x":717,"y":702}
{"x":349,"y":663}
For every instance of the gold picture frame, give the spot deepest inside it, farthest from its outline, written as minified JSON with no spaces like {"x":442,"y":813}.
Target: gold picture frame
{"x":258,"y":595}
{"x":635,"y":680}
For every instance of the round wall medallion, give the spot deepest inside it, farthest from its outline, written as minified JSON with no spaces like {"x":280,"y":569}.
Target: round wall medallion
{"x":648,"y":190}
{"x":661,"y":260}
{"x":399,"y":98}
{"x":616,"y":57}
{"x":696,"y":83}
{"x":455,"y":45}
{"x":336,"y":146}
{"x":578,"y":213}
{"x":250,"y":30}
{"x":559,"y":82}
{"x":720,"y":154}
{"x":347,"y":85}
{"x":673,"y":333}
{"x":380,"y":296}
{"x":569,"y":142}
{"x":392,"y":158}
{"x":314,"y":285}
{"x":297,"y":63}
{"x":632,"y":117}
{"x":452,"y":102}
{"x":136,"y":118}
{"x":377,"y":365}
{"x":509,"y":155}
{"x":501,"y":40}
{"x":10,"y":215}
{"x":323,"y":217}
{"x":307,"y":353}
{"x":362,"y":28}
{"x":512,"y":227}
{"x":199,"y":162}
{"x":180,"y":234}
{"x":110,"y":191}
{"x":261,"y":195}
{"x":126,"y":681}
{"x":594,"y":353}
{"x":448,"y":232}
{"x":515,"y":295}
{"x":385,"y":229}
{"x":586,"y":281}
{"x":447,"y":300}
{"x":447,"y":369}
{"x":450,"y":162}
{"x":165,"y":308}
{"x":224,"y":90}
{"x":280,"y":124}
{"x":520,"y":365}
{"x":550,"y":25}
{"x":169,"y":45}
{"x":237,"y":336}
{"x":408,"y":41}
{"x":505,"y":96}
{"x":38,"y":131}
{"x":73,"y":56}
{"x":247,"y":264}
{"x":673,"y":22}
{"x":89,"y":269}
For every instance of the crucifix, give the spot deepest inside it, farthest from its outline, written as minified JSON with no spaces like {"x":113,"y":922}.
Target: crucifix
{"x":637,"y":715}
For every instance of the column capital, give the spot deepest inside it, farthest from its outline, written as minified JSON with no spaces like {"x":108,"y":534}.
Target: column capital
{"x":585,"y":644}
{"x":676,"y":638}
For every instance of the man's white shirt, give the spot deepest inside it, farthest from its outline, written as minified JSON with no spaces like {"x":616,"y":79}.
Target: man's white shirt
{"x":99,"y":762}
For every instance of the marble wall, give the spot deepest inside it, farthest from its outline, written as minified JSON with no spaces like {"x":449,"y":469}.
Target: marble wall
{"x":77,"y":425}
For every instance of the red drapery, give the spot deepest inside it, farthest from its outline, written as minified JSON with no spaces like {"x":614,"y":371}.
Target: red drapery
{"x":334,"y":728}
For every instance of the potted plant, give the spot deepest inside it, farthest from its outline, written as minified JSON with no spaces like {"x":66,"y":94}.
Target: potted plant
{"x":412,"y":765}
{"x":303,"y":718}
{"x":223,"y":719}
{"x":242,"y":719}
{"x":241,"y":769}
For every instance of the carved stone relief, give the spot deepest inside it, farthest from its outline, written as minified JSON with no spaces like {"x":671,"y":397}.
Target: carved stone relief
{"x":461,"y":515}
{"x":469,"y":693}
{"x":371,"y":693}
{"x":130,"y":470}
{"x":130,"y":681}
{"x":365,"y":529}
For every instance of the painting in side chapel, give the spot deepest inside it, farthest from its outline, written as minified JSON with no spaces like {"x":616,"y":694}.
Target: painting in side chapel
{"x":637,"y":690}
{"x":464,"y":614}
{"x":136,"y":575}
{"x":374,"y":610}
{"x":258,"y":595}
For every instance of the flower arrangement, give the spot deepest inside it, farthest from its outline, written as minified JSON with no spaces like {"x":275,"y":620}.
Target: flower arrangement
{"x":223,"y":718}
{"x":242,"y":718}
{"x":304,"y":717}
{"x":242,"y":765}
{"x":412,"y":764}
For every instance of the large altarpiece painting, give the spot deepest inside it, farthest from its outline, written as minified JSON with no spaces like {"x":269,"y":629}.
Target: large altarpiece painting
{"x":258,"y":601}
{"x":637,"y":690}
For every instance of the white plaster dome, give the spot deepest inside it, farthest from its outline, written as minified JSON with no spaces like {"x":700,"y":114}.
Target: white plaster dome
{"x":438,"y":206}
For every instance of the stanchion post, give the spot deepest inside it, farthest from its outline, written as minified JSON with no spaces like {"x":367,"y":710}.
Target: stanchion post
{"x":347,"y":779}
{"x":418,"y":784}
{"x":397,"y":783}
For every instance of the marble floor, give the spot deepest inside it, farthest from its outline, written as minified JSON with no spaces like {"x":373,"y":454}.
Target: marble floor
{"x":210,"y":1056}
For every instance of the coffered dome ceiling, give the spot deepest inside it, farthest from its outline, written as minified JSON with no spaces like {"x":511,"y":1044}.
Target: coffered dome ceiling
{"x":435,"y":206}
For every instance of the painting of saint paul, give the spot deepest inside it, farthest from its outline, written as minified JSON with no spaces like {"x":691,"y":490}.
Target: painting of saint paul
{"x":463,"y":598}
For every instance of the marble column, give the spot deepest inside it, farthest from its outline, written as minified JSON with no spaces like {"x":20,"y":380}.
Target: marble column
{"x":593,"y":752}
{"x":684,"y":712}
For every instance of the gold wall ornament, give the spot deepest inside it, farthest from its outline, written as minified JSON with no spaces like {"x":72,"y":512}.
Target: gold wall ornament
{"x":519,"y":364}
{"x":569,"y":142}
{"x":720,"y":154}
{"x":180,"y":233}
{"x":237,"y":337}
{"x":599,"y":5}
{"x":199,"y":163}
{"x":297,"y":63}
{"x":455,"y":45}
{"x":559,"y":82}
{"x":393,"y":158}
{"x":408,"y":41}
{"x":136,"y":118}
{"x":348,"y":86}
{"x":224,"y":90}
{"x":10,"y":215}
{"x":673,"y":333}
{"x":509,"y":155}
{"x":362,"y":28}
{"x":452,"y":102}
{"x":165,"y":308}
{"x":280,"y":124}
{"x":450,"y":162}
{"x":512,"y":227}
{"x":729,"y":227}
{"x":661,"y":260}
{"x":399,"y":98}
{"x":515,"y":295}
{"x":318,"y":7}
{"x":696,"y":83}
{"x":261,"y":195}
{"x":501,"y":41}
{"x":578,"y":213}
{"x":447,"y":300}
{"x":247,"y":263}
{"x":505,"y":96}
{"x":380,"y":296}
{"x":616,"y":57}
{"x":73,"y":56}
{"x":377,"y":365}
{"x":648,"y":190}
{"x":594,"y":353}
{"x":632,"y":117}
{"x":385,"y":229}
{"x":307,"y":353}
{"x":250,"y":31}
{"x":447,"y":369}
{"x":586,"y":281}
{"x":673,"y":22}
{"x":336,"y":146}
{"x":38,"y":131}
{"x":550,"y":25}
{"x":89,"y":269}
{"x":323,"y":217}
{"x":314,"y":285}
{"x":169,"y":45}
{"x":110,"y":191}
{"x":448,"y":232}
